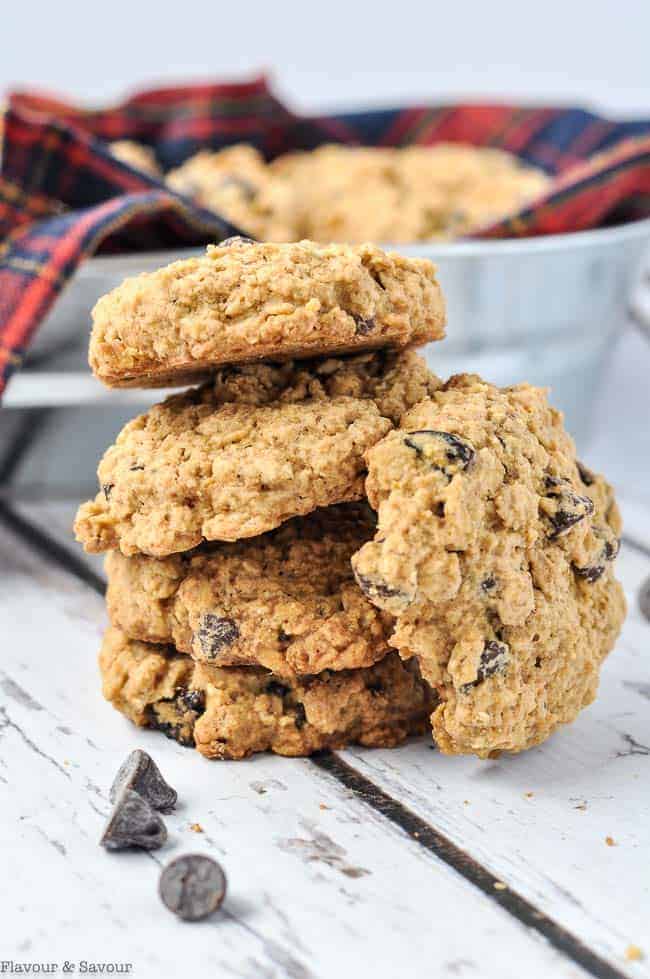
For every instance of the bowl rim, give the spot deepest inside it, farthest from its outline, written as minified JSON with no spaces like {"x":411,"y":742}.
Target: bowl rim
{"x":540,"y":243}
{"x":435,"y":249}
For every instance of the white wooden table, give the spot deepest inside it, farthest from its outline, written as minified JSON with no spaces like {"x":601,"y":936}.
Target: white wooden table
{"x":382,"y":864}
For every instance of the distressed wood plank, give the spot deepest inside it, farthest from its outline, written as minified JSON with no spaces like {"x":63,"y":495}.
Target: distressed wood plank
{"x":320,"y":884}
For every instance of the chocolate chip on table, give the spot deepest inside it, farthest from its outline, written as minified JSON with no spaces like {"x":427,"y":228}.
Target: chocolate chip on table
{"x":215,"y":633}
{"x":133,"y":823}
{"x":236,"y":240}
{"x":192,"y":886}
{"x":141,"y":774}
{"x":441,"y":450}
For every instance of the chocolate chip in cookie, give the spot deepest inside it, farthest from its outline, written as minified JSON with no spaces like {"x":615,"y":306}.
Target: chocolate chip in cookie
{"x":494,"y":659}
{"x":364,"y":326}
{"x":376,"y":589}
{"x":563,"y":506}
{"x":215,"y":634}
{"x":441,"y":450}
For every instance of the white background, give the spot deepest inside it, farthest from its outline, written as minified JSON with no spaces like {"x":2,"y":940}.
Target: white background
{"x":341,"y":52}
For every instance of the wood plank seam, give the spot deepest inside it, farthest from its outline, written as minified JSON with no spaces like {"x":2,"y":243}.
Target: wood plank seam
{"x":415,"y":828}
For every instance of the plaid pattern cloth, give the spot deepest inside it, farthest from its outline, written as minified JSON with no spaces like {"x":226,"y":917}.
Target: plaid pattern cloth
{"x":63,"y":196}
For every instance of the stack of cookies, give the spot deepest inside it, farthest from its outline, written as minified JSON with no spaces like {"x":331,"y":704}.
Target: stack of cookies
{"x":323,"y":543}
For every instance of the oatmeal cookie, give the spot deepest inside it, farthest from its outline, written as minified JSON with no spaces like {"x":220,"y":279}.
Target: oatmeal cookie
{"x":494,"y":551}
{"x":246,"y":302}
{"x":236,"y":183}
{"x":406,"y":194}
{"x":136,"y":155}
{"x":190,"y":470}
{"x":232,"y":712}
{"x":286,"y":601}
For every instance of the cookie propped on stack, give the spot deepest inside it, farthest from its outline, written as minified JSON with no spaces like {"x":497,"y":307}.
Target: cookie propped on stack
{"x":494,"y":551}
{"x":230,"y":511}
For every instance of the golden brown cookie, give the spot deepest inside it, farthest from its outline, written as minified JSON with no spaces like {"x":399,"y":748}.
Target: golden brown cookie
{"x":136,"y":155}
{"x":234,"y":712}
{"x":236,"y":183}
{"x":191,"y":470}
{"x":494,"y":550}
{"x":407,"y":194}
{"x":245,"y":302}
{"x":286,"y":601}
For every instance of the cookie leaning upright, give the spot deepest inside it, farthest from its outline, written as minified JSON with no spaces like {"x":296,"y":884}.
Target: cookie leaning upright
{"x":494,"y":551}
{"x":243,"y":301}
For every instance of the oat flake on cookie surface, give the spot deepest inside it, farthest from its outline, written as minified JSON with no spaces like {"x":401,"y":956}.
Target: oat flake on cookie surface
{"x":245,"y":301}
{"x":494,"y":551}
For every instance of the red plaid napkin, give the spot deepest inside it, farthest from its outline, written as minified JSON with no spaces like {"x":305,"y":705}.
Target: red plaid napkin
{"x":63,"y":196}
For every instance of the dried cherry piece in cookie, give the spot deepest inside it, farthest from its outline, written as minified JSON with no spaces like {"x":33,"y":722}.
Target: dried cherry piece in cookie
{"x":494,"y":659}
{"x":441,"y":450}
{"x":141,"y":774}
{"x":133,"y":823}
{"x":216,"y":633}
{"x":563,"y":506}
{"x":192,"y":886}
